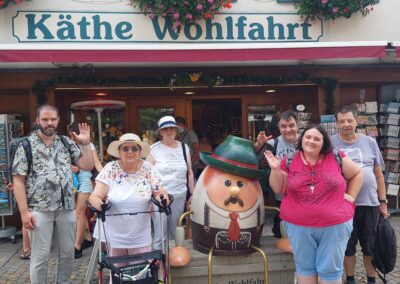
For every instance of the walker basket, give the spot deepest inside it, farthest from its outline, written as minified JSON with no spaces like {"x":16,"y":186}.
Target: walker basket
{"x":139,"y":273}
{"x":144,"y":271}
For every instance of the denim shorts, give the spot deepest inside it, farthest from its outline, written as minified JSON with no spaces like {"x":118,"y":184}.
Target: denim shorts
{"x":319,"y":250}
{"x":85,"y":182}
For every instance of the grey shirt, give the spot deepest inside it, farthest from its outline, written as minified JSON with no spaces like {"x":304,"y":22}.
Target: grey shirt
{"x":365,"y":152}
{"x":189,"y":137}
{"x":283,"y":148}
{"x":50,"y":183}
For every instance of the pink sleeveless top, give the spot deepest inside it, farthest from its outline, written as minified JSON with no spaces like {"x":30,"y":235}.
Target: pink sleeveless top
{"x":322,"y":206}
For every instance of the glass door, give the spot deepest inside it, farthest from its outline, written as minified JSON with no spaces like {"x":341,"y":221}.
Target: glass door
{"x":147,"y":112}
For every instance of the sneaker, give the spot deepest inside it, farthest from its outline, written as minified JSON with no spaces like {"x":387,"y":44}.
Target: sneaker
{"x":78,"y":253}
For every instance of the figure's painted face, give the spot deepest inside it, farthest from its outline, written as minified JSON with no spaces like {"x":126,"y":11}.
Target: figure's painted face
{"x":230,"y":192}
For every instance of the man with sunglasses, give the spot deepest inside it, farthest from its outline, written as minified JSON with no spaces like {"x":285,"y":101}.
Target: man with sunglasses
{"x":44,"y":192}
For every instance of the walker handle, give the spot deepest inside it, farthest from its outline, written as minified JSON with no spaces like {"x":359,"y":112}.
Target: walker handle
{"x":162,"y":204}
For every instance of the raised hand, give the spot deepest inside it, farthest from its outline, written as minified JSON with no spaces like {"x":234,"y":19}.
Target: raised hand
{"x":273,"y":162}
{"x":262,"y":138}
{"x":84,"y":134}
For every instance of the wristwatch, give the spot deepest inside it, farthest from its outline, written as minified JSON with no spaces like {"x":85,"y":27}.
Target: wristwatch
{"x":383,"y":201}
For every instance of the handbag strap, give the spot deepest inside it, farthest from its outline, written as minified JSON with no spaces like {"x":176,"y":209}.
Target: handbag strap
{"x":185,"y":158}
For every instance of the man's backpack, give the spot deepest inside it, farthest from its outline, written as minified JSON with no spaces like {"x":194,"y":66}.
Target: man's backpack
{"x":26,"y":144}
{"x":384,"y":258}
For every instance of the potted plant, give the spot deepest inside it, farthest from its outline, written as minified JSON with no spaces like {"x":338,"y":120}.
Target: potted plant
{"x":4,"y":3}
{"x":310,"y":10}
{"x":182,"y":12}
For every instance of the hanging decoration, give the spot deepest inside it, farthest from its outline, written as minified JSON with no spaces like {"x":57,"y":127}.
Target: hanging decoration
{"x":183,"y":79}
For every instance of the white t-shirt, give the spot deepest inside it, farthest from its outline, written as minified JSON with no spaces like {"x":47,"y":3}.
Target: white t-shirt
{"x":170,"y":163}
{"x":128,"y":193}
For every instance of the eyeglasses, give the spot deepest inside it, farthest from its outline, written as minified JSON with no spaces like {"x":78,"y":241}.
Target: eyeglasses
{"x":132,"y":148}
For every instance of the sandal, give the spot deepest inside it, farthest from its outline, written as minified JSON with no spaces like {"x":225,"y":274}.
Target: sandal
{"x":25,"y":255}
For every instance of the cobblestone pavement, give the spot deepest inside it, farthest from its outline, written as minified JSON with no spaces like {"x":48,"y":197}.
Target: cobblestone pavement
{"x":15,"y":270}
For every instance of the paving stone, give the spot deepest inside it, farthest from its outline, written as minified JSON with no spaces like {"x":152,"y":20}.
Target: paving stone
{"x":14,"y":270}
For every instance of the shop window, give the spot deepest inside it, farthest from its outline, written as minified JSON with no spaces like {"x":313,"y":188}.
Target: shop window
{"x":262,"y":118}
{"x":148,"y":118}
{"x":112,"y":125}
{"x":217,"y":118}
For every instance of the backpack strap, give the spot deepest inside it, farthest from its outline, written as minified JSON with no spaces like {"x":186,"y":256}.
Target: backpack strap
{"x":26,"y":144}
{"x":289,"y":159}
{"x":336,"y":153}
{"x":276,"y":140}
{"x":67,"y":145}
{"x":338,"y":159}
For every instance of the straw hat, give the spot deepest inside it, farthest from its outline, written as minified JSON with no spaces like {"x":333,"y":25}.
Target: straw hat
{"x":168,"y":121}
{"x":113,"y":148}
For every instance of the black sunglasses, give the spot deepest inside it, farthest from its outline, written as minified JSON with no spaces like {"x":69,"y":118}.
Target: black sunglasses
{"x":132,"y":148}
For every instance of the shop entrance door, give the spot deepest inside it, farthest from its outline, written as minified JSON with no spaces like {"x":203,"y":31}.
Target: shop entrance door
{"x":217,"y":118}
{"x":145,"y":113}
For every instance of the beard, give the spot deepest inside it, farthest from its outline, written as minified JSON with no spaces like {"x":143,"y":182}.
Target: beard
{"x":48,"y":131}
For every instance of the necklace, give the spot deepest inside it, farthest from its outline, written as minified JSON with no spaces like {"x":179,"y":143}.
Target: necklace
{"x":312,"y":167}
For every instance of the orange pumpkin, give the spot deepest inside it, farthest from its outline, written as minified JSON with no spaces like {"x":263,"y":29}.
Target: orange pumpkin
{"x":178,"y":256}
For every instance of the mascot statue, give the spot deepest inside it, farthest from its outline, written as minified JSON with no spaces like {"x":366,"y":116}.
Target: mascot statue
{"x":227,"y":202}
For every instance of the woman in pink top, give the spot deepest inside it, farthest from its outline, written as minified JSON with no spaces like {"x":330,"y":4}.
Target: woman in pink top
{"x":319,"y":190}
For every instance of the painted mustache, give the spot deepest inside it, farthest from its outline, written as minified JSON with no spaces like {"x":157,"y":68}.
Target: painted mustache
{"x":234,"y":200}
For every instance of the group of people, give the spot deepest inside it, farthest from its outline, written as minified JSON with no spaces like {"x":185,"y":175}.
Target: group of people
{"x":48,"y":204}
{"x":333,"y":193}
{"x":331,"y":188}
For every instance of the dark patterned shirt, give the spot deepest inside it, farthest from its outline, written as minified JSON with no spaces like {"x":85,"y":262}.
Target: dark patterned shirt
{"x":49,"y":185}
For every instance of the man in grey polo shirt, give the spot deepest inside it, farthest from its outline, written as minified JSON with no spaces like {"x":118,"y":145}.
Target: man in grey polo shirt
{"x":371,"y":200}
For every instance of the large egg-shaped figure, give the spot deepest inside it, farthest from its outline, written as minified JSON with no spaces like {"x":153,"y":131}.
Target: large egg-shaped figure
{"x":227,"y":203}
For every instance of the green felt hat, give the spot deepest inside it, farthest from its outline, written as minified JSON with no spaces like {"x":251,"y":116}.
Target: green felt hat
{"x":234,"y":156}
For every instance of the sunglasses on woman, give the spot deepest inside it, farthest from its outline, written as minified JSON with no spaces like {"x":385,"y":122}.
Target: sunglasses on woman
{"x":132,"y":148}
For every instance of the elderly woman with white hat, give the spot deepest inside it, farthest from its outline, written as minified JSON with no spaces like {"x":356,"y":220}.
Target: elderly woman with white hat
{"x":167,"y":155}
{"x":128,"y":184}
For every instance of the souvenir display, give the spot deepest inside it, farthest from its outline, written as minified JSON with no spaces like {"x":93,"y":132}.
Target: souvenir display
{"x":389,"y":143}
{"x":11,"y":126}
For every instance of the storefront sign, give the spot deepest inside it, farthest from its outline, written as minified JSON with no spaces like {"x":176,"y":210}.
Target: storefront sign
{"x":69,"y":26}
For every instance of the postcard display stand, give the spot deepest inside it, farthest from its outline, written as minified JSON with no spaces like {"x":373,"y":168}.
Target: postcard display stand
{"x":390,"y":144}
{"x":9,"y":128}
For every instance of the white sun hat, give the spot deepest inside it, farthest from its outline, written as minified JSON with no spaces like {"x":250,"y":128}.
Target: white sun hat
{"x":113,"y":148}
{"x":168,"y":121}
